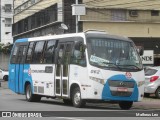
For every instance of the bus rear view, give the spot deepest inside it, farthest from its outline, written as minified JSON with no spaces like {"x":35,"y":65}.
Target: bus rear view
{"x":77,"y":68}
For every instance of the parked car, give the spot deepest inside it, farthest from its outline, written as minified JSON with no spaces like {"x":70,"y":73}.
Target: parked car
{"x":4,"y":74}
{"x":152,"y":81}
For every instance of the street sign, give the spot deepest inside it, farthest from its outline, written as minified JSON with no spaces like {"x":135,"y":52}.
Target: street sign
{"x":148,"y":57}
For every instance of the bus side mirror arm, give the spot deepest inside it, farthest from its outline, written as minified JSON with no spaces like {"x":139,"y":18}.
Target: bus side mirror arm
{"x":140,"y":50}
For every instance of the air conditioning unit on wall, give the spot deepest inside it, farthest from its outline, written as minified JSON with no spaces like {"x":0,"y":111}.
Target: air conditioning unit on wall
{"x":133,"y":13}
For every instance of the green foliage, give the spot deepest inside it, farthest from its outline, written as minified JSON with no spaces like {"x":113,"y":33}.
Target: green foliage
{"x":5,"y":48}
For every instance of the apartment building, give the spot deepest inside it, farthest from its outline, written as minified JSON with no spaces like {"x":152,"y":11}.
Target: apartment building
{"x":42,"y":17}
{"x":138,"y":19}
{"x":6,"y":17}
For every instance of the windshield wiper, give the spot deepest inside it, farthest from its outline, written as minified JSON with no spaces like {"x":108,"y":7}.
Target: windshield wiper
{"x":110,"y":63}
{"x":131,"y":66}
{"x":106,"y":64}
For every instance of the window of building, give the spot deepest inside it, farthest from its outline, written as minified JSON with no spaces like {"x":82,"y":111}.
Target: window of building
{"x":38,"y":52}
{"x":8,"y":22}
{"x":154,"y":13}
{"x":118,"y":15}
{"x":8,"y":8}
{"x":49,"y":52}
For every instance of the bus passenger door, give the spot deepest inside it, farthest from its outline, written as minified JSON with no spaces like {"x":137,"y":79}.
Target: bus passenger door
{"x":62,"y":69}
{"x":19,"y":70}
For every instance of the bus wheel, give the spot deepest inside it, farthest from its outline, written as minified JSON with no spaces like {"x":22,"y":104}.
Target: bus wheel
{"x":5,"y":78}
{"x":125,"y":105}
{"x":76,"y":98}
{"x":31,"y":97}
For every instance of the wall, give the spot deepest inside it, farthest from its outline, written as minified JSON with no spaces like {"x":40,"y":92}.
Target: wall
{"x":126,"y":29}
{"x":4,"y":60}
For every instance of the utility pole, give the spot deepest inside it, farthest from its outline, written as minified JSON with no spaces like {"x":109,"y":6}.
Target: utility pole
{"x":76,"y":19}
{"x":77,"y":10}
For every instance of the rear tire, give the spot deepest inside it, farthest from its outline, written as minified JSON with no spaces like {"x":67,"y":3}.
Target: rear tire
{"x":31,"y":97}
{"x":5,"y":78}
{"x":76,"y":98}
{"x":125,"y":105}
{"x":158,"y":93}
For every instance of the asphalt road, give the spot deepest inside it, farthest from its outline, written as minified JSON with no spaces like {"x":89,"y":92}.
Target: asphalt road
{"x":11,"y":102}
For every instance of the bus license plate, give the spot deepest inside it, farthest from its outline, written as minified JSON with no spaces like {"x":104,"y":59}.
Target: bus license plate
{"x":122,"y":89}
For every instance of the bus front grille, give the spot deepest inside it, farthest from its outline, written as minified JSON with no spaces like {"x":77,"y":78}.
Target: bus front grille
{"x":115,"y":85}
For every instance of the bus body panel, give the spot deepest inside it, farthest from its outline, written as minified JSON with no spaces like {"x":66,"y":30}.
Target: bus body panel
{"x":43,"y":83}
{"x":79,"y":76}
{"x":12,"y":81}
{"x":16,"y":73}
{"x":103,"y":89}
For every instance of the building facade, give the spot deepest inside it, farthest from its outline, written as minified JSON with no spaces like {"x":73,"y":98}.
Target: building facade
{"x":6,"y":17}
{"x":42,"y":17}
{"x":139,"y":20}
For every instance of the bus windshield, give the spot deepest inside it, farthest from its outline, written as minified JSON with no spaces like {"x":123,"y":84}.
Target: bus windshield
{"x":115,"y":54}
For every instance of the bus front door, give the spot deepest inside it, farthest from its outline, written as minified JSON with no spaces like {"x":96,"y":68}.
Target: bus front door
{"x":19,"y":68}
{"x":62,"y":69}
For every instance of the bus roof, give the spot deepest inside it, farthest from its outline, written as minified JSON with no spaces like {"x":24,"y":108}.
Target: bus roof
{"x":88,"y":33}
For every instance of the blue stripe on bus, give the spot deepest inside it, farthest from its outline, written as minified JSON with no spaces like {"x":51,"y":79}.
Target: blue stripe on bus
{"x":18,"y":76}
{"x":106,"y":94}
{"x":22,"y":40}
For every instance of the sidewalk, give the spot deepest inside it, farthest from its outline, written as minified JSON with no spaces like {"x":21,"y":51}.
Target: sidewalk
{"x":148,"y":103}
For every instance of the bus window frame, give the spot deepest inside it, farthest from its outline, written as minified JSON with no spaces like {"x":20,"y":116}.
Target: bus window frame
{"x":42,"y":52}
{"x":53,"y":52}
{"x":34,"y":42}
{"x":16,"y":56}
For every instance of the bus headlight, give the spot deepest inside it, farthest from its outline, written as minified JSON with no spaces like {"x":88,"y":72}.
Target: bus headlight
{"x":101,"y":81}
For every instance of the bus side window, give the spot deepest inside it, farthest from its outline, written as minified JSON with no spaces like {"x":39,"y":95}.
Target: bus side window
{"x":49,"y":52}
{"x":38,"y":52}
{"x":78,"y":55}
{"x":13,"y":58}
{"x":29,"y":53}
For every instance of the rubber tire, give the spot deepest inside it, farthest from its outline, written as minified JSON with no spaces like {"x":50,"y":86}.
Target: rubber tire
{"x":81,"y":102}
{"x":125,"y":105}
{"x":146,"y":95}
{"x":158,"y":93}
{"x":31,"y":97}
{"x":67,"y":101}
{"x":5,"y":78}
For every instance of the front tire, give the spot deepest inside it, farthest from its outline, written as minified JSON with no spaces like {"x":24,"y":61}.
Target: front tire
{"x":76,"y":98}
{"x":5,"y":78}
{"x":31,"y":97}
{"x":125,"y":105}
{"x":158,"y":93}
